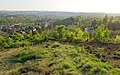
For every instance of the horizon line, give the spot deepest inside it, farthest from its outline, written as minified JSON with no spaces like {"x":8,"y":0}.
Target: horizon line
{"x":61,"y":11}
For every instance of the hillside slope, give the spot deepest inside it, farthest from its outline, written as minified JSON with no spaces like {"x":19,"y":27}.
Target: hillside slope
{"x":53,"y":58}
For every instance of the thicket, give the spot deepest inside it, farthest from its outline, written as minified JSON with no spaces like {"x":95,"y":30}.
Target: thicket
{"x":58,"y":33}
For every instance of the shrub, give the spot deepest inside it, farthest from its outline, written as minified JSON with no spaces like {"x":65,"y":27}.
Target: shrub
{"x":102,"y":34}
{"x":117,"y":39}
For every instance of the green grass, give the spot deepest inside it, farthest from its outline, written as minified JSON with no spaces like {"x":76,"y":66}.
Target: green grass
{"x":53,"y":58}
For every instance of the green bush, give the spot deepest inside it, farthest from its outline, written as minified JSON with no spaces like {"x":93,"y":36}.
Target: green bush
{"x":117,"y":39}
{"x":102,"y":34}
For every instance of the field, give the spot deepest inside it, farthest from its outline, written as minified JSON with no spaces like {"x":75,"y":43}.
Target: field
{"x":53,"y":58}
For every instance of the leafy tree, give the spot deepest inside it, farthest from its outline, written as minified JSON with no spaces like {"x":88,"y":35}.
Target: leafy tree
{"x":105,"y":20}
{"x":102,"y":34}
{"x":17,"y":36}
{"x":28,"y":36}
{"x":77,"y":34}
{"x":85,"y":37}
{"x":68,"y":35}
{"x":36,"y":38}
{"x":59,"y":32}
{"x":8,"y":42}
{"x":94,"y":23}
{"x":106,"y":35}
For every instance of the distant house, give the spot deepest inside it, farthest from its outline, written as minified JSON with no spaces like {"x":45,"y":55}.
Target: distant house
{"x":90,"y":30}
{"x":16,"y":24}
{"x":17,"y":27}
{"x":1,"y":26}
{"x":34,"y":29}
{"x":23,"y":32}
{"x":9,"y":31}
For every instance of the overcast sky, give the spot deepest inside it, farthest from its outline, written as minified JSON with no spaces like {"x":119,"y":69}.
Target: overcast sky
{"x":108,"y":6}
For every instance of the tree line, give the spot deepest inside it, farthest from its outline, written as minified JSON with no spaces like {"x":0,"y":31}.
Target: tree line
{"x":58,"y":33}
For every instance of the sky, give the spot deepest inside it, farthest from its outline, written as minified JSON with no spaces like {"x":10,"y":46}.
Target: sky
{"x":106,"y":6}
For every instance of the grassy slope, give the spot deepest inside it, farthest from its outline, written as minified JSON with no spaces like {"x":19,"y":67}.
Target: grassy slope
{"x":53,"y":58}
{"x":107,"y":52}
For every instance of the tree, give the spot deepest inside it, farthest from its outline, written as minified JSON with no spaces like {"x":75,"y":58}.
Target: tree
{"x":94,"y":23}
{"x":59,"y":32}
{"x":105,"y":20}
{"x":8,"y":42}
{"x":17,"y":36}
{"x":36,"y":38}
{"x":106,"y":37}
{"x":85,"y":37}
{"x":28,"y":36}
{"x":77,"y":34}
{"x":102,"y":34}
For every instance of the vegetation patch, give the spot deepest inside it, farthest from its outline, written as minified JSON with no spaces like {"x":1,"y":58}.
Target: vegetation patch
{"x":65,"y":59}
